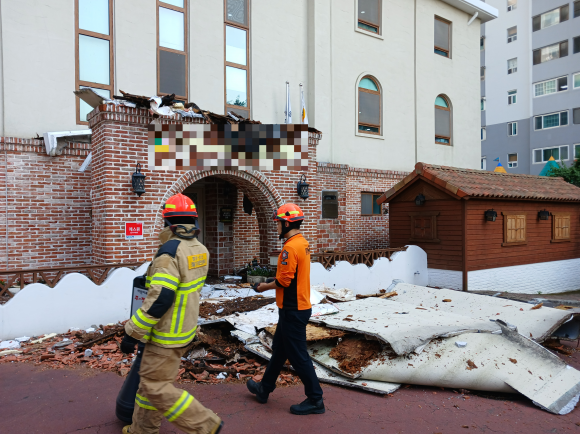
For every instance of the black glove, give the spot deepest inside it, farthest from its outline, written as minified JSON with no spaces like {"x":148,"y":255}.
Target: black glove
{"x":128,"y":344}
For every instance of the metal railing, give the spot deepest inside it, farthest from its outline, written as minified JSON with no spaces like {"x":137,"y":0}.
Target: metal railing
{"x":367,"y":257}
{"x":51,"y":276}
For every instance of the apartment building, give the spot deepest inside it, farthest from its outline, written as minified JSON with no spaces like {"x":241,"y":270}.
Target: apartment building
{"x":387,"y":82}
{"x":530,"y":85}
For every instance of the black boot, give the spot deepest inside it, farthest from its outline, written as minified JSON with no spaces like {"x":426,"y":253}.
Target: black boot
{"x":308,"y":407}
{"x":256,"y":389}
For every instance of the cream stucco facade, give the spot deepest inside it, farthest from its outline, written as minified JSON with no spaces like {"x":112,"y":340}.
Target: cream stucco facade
{"x":313,"y":42}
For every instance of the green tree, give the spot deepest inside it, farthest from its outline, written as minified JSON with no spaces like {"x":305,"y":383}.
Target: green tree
{"x":570,"y":174}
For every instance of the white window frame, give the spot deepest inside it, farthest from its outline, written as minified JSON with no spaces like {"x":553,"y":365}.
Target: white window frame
{"x":547,"y":147}
{"x":512,"y":7}
{"x":482,"y":43}
{"x":547,"y":81}
{"x":512,"y":164}
{"x":512,"y":70}
{"x":483,"y":135}
{"x":482,"y":69}
{"x":547,"y":12}
{"x":574,"y":147}
{"x":512,"y":126}
{"x":483,"y":103}
{"x":513,"y":38}
{"x":574,"y":81}
{"x":357,"y":29}
{"x":550,"y":114}
{"x":484,"y":163}
{"x":512,"y":99}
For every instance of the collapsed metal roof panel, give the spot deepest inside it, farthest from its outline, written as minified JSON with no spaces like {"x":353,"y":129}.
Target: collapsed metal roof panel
{"x":403,"y":326}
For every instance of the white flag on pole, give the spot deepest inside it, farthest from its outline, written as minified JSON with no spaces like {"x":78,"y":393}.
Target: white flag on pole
{"x":303,"y":113}
{"x":288,"y":111}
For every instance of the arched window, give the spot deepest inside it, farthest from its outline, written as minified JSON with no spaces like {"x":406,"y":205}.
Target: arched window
{"x":369,"y":106}
{"x":442,"y":120}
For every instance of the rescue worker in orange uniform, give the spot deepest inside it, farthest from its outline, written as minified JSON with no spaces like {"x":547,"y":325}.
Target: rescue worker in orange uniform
{"x":292,"y":287}
{"x":166,"y":323}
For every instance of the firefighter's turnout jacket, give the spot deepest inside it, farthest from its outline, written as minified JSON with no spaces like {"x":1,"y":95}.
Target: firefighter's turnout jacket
{"x":168,"y":316}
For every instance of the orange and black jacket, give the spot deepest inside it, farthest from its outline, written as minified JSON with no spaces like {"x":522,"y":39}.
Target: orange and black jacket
{"x":293,"y":275}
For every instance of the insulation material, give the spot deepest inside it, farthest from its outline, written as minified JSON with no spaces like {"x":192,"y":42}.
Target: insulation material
{"x":506,"y":362}
{"x":315,"y":332}
{"x":403,"y":326}
{"x":538,"y":324}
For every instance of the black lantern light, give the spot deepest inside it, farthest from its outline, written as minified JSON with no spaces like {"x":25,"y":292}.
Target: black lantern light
{"x":138,"y":181}
{"x":302,"y":188}
{"x":490,"y":215}
{"x":544,"y":215}
{"x":420,"y":200}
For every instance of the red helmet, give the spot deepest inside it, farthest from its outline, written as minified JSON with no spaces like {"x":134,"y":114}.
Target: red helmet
{"x":179,"y":206}
{"x":289,"y":213}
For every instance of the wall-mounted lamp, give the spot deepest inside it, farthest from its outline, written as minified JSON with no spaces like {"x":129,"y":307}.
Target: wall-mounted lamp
{"x":138,"y":181}
{"x":544,"y":215}
{"x":302,"y":188}
{"x":420,"y":200}
{"x":490,"y":215}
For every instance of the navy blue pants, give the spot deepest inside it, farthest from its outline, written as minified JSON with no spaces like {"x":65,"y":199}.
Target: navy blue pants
{"x":290,"y":344}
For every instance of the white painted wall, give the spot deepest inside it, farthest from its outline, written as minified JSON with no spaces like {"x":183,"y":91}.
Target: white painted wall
{"x":74,"y":302}
{"x":368,"y":280}
{"x":314,"y":42}
{"x":445,"y":278}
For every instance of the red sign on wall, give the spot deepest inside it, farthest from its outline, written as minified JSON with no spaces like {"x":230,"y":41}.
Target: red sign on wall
{"x":134,"y":231}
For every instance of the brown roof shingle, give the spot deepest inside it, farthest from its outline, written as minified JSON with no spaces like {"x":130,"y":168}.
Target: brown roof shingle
{"x":481,"y":183}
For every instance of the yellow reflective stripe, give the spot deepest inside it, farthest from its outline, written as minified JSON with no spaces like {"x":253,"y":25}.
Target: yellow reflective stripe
{"x":166,"y":280}
{"x":174,"y":335}
{"x":183,"y":310}
{"x":168,"y":205}
{"x":144,"y":402}
{"x":148,"y":282}
{"x":172,"y":338}
{"x":192,"y":286}
{"x":289,"y":212}
{"x":192,"y":206}
{"x":179,"y":407}
{"x":141,"y":321}
{"x":177,"y":313}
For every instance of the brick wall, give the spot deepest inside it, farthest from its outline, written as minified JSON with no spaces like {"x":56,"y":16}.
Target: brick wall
{"x":247,"y":234}
{"x":45,"y":205}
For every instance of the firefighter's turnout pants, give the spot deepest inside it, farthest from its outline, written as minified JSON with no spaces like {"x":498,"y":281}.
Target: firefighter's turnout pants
{"x":157,"y":397}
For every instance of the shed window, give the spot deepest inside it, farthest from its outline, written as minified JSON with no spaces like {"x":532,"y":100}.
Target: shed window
{"x":514,"y":229}
{"x":560,"y":227}
{"x":330,"y":204}
{"x":424,"y":227}
{"x":369,"y":205}
{"x":369,"y":106}
{"x":369,"y":15}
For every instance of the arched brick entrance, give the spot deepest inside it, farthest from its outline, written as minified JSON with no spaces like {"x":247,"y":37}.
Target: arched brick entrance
{"x":232,"y":245}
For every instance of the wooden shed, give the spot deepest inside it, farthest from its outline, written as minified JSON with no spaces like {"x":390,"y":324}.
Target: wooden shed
{"x":489,"y":231}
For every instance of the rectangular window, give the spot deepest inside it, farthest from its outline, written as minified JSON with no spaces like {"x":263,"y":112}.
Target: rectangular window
{"x":482,"y":43}
{"x":576,"y":45}
{"x":550,"y":18}
{"x":576,"y":79}
{"x":577,"y":151}
{"x":94,"y":51}
{"x":369,"y":15}
{"x":551,"y":86}
{"x":576,"y":116}
{"x":512,"y":97}
{"x":483,"y":104}
{"x":551,"y":120}
{"x":512,"y":34}
{"x":512,"y":65}
{"x":424,"y":227}
{"x":330,"y":204}
{"x":482,"y":72}
{"x":511,"y":5}
{"x":483,"y":133}
{"x":577,"y":9}
{"x":551,"y":52}
{"x":237,"y":57}
{"x":512,"y":128}
{"x":514,"y":229}
{"x":442,"y":37}
{"x":512,"y":160}
{"x":483,"y":163}
{"x":172,"y":57}
{"x":560,"y":153}
{"x":369,"y":205}
{"x":560,"y":227}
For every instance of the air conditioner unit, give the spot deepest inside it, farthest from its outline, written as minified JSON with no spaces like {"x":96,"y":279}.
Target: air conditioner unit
{"x":512,"y":70}
{"x":510,"y":8}
{"x":512,"y":38}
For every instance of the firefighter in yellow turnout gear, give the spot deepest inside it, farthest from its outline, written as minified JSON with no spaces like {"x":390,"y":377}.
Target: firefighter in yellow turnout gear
{"x":167,"y":323}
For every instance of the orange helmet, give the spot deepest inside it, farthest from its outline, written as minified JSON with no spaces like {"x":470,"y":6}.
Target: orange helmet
{"x":289,"y":213}
{"x":179,"y":206}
